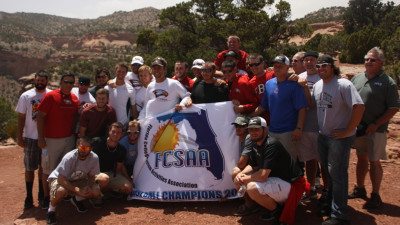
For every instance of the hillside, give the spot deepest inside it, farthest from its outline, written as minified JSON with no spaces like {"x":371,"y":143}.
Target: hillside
{"x":32,"y":41}
{"x":324,"y":15}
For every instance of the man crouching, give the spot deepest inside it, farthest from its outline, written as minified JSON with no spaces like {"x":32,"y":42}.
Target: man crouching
{"x":268,"y":177}
{"x":77,"y":175}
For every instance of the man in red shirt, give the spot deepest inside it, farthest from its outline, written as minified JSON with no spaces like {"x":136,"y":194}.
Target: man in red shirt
{"x":180,"y":74}
{"x":261,"y":76}
{"x":240,"y":93}
{"x":56,"y":120}
{"x":233,"y":43}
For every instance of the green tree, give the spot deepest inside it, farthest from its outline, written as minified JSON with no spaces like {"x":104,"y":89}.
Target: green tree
{"x":146,"y":40}
{"x":362,"y":13}
{"x":199,"y":28}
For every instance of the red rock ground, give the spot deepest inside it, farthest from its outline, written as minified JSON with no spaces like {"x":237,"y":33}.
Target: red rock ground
{"x":118,"y":211}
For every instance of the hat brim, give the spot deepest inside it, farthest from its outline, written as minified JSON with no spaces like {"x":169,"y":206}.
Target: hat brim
{"x":254,"y":126}
{"x":197,"y":67}
{"x":136,"y":62}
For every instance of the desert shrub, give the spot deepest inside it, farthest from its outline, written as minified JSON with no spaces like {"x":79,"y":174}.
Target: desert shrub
{"x":8,"y":120}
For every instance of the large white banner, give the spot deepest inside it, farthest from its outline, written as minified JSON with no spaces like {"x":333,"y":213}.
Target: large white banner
{"x":187,"y":155}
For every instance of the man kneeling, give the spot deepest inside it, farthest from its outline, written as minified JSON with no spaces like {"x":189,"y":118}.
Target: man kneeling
{"x":268,"y":177}
{"x":77,"y":175}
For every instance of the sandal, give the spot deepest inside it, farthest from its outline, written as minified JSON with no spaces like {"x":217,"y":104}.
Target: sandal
{"x":244,"y":210}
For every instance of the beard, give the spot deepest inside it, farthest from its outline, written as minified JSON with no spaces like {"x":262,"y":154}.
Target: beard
{"x":40,"y":86}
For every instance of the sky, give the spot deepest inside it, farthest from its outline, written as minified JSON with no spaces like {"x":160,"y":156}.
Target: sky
{"x":91,"y":9}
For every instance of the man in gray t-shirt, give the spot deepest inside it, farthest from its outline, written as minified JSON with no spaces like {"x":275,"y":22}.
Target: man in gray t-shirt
{"x":77,"y":175}
{"x":339,"y":110}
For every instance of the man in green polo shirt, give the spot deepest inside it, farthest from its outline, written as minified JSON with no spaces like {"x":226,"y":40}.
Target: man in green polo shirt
{"x":381,"y":99}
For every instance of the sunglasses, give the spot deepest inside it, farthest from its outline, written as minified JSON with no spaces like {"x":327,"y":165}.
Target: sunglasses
{"x":68,"y":82}
{"x":254,"y":64}
{"x":85,"y":148}
{"x":322,"y":65}
{"x":208,"y":70}
{"x":133,"y":132}
{"x":370,"y":60}
{"x":240,"y":126}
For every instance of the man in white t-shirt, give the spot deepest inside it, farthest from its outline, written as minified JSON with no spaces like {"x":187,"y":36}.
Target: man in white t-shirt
{"x":82,"y":92}
{"x":120,"y":93}
{"x":27,"y":134}
{"x":308,"y":145}
{"x":164,"y":93}
{"x":133,"y":77}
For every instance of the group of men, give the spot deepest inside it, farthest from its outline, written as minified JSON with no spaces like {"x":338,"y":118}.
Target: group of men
{"x":298,"y":120}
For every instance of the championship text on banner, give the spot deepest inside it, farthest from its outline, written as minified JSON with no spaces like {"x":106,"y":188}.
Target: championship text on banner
{"x":187,"y":155}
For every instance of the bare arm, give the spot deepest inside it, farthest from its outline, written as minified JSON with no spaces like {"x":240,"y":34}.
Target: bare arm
{"x":258,"y":111}
{"x":40,"y":117}
{"x":381,"y":120}
{"x":296,"y":134}
{"x":260,"y":175}
{"x":21,"y":125}
{"x":134,"y":112}
{"x":63,"y":181}
{"x":82,"y":131}
{"x":356,"y":116}
{"x":122,"y":170}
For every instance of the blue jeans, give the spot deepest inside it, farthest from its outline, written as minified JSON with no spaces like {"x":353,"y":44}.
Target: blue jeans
{"x":334,"y":154}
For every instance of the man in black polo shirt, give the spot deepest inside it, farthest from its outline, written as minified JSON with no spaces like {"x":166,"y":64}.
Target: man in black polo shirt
{"x":270,"y":172}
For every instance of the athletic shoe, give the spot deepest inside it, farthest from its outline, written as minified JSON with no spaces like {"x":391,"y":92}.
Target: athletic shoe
{"x":374,"y":202}
{"x":45,"y":203}
{"x":311,"y":195}
{"x":272,"y":216}
{"x":244,"y":210}
{"x":28,"y":203}
{"x":78,"y":205}
{"x":358,"y":192}
{"x":335,"y":221}
{"x":51,"y":218}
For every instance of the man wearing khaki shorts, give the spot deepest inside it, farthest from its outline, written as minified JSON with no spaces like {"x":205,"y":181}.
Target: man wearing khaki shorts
{"x":56,"y":121}
{"x":77,"y":175}
{"x":379,"y":94}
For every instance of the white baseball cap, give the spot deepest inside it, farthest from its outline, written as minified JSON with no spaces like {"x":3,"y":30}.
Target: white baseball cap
{"x":198,"y":63}
{"x":137,"y":60}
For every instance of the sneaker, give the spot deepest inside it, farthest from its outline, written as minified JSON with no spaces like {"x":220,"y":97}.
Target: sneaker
{"x":28,"y":203}
{"x":78,"y":205}
{"x":272,"y":216}
{"x":335,"y":221}
{"x":358,"y":192}
{"x":51,"y":218}
{"x":374,"y":202}
{"x":45,"y":203}
{"x":325,"y":209}
{"x":96,"y":203}
{"x":244,"y":210}
{"x":311,"y":195}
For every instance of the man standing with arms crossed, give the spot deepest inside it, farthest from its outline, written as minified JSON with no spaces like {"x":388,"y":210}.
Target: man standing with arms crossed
{"x":27,"y":135}
{"x":381,"y":99}
{"x":56,"y":120}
